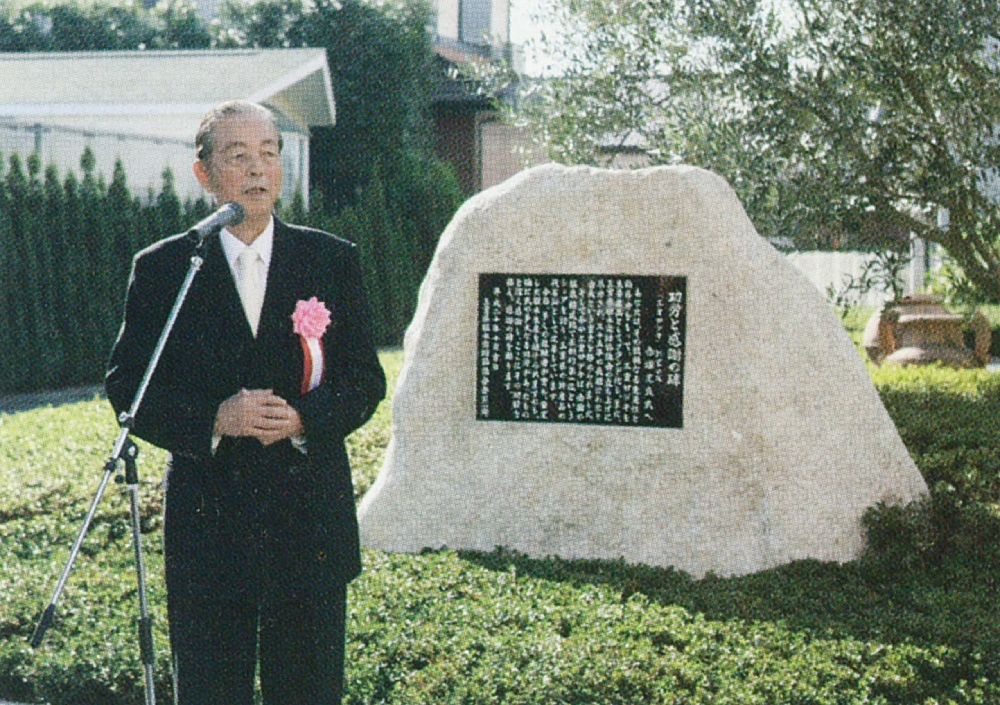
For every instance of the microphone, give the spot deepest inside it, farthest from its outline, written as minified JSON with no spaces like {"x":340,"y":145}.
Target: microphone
{"x":231,"y":213}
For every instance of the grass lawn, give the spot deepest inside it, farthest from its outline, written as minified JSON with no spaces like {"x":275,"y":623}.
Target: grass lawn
{"x":913,"y":621}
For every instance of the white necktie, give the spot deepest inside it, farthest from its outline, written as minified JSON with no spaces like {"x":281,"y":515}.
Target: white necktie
{"x":249,"y":273}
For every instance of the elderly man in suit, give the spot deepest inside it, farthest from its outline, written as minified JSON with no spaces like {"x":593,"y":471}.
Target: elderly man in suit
{"x":270,"y":365}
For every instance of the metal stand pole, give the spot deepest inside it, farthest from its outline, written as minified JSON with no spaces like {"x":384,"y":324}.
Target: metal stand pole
{"x":125,"y":451}
{"x":145,"y":621}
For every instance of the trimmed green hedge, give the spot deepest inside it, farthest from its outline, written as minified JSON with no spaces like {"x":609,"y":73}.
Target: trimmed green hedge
{"x":66,"y":248}
{"x":913,"y":621}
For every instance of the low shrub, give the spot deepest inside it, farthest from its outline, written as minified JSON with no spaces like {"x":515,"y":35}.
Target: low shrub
{"x":912,"y":621}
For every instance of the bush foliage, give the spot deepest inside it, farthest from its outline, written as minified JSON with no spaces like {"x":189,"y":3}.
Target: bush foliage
{"x":66,"y":246}
{"x":912,"y":621}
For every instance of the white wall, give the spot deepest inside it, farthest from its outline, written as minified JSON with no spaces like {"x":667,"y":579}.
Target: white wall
{"x":144,"y":159}
{"x":826,"y":268}
{"x":447,"y":19}
{"x":474,"y":21}
{"x":500,"y":22}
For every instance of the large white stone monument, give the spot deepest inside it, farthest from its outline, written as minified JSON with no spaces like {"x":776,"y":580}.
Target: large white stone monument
{"x":782,"y":441}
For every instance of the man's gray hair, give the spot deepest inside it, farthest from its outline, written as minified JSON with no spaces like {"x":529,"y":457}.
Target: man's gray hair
{"x":203,"y":141}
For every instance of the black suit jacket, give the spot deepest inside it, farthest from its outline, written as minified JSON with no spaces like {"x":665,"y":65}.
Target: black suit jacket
{"x":248,"y":519}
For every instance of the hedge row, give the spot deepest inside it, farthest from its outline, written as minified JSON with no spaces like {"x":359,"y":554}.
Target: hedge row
{"x":65,"y":251}
{"x":66,"y":245}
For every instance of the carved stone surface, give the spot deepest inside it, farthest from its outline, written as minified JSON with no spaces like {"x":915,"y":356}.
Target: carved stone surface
{"x":571,"y":348}
{"x":784,"y":442}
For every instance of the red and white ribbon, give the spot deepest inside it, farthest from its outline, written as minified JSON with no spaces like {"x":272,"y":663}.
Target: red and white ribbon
{"x":312,"y":349}
{"x":311,"y":319}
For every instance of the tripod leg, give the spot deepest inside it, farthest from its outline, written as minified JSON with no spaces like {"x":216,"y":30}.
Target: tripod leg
{"x":50,"y":611}
{"x":145,"y":620}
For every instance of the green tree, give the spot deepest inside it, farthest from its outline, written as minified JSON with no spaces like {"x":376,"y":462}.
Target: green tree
{"x":43,"y":218}
{"x":853,"y":121}
{"x":101,"y":315}
{"x":77,"y":309}
{"x":102,"y":26}
{"x":428,"y":195}
{"x":180,"y":26}
{"x":67,"y":278}
{"x":123,"y":220}
{"x":265,"y":24}
{"x":9,"y":289}
{"x":382,"y":68}
{"x":76,"y":27}
{"x":26,"y":311}
{"x":169,"y":206}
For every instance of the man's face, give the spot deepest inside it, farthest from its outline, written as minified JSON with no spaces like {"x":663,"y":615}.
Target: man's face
{"x":245,"y":165}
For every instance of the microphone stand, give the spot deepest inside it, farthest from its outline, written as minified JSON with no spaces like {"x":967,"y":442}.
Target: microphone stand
{"x":125,"y":452}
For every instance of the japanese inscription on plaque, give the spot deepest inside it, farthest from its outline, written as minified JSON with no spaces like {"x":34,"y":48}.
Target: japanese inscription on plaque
{"x":580,"y":348}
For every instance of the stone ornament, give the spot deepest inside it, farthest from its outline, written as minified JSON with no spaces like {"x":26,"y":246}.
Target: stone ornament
{"x":919,"y":330}
{"x":784,"y":443}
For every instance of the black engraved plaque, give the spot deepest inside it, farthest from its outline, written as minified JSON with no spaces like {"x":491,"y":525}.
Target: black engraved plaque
{"x":582,"y":348}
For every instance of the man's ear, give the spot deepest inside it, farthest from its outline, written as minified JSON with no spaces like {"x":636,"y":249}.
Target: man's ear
{"x":200,"y":169}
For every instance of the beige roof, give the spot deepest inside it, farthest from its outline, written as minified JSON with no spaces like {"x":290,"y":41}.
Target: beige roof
{"x":158,"y":93}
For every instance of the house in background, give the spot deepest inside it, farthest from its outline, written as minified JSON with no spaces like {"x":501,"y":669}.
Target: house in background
{"x":482,"y":149}
{"x":144,"y":107}
{"x":470,"y":136}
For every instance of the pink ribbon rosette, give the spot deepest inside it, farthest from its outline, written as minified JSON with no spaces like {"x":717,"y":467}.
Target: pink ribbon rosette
{"x":310,"y":321}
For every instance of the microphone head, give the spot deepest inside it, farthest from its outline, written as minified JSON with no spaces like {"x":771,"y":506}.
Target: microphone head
{"x":238,"y":212}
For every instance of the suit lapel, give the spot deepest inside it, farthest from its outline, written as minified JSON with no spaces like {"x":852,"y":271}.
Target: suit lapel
{"x":275,"y":313}
{"x":278,"y":353}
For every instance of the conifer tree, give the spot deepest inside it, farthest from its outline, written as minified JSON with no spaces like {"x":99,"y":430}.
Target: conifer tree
{"x":25,"y":315}
{"x":168,"y":207}
{"x":64,"y":282}
{"x":7,"y":288}
{"x":77,"y":309}
{"x":100,"y":310}
{"x":36,"y":231}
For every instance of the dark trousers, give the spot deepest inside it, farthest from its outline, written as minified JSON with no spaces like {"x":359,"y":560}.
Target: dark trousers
{"x":301,"y":650}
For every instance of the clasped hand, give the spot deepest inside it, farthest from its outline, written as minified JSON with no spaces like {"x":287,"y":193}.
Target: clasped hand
{"x":259,"y":413}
